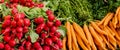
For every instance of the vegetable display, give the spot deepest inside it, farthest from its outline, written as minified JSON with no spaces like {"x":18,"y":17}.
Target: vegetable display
{"x":59,"y":25}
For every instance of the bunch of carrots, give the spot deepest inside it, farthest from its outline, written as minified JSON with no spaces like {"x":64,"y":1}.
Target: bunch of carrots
{"x":98,"y":35}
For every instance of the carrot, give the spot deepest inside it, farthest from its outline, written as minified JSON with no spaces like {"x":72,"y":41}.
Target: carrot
{"x":80,"y":42}
{"x":118,"y":43}
{"x":119,"y":17}
{"x":104,"y":39}
{"x":110,"y":37}
{"x":113,"y":29}
{"x":64,"y":43}
{"x":95,"y":26}
{"x":117,"y":14}
{"x":89,"y":37}
{"x":101,"y":22}
{"x":69,"y":43}
{"x":95,"y":36}
{"x":74,"y":37}
{"x":80,"y":32}
{"x":111,"y":47}
{"x":73,"y":46}
{"x":108,"y":19}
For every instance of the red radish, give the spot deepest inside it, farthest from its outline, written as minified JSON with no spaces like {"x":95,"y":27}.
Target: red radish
{"x":15,"y":1}
{"x":58,"y":34}
{"x":55,"y":47}
{"x":49,"y":24}
{"x":41,"y":5}
{"x":7,"y":30}
{"x":43,"y":35}
{"x":21,"y":48}
{"x":59,"y":43}
{"x":20,"y":22}
{"x":28,"y":45}
{"x":19,"y":35}
{"x":14,"y":11}
{"x":1,"y":1}
{"x":22,"y":15}
{"x":13,"y":23}
{"x":51,"y":34}
{"x":28,"y":38}
{"x":40,"y":48}
{"x":54,"y":38}
{"x":6,"y":38}
{"x":46,"y":28}
{"x":46,"y":47}
{"x":28,"y":0}
{"x":53,"y":29}
{"x":39,"y":20}
{"x":48,"y":41}
{"x":42,"y":41}
{"x":8,"y":17}
{"x":12,"y":49}
{"x":1,"y":45}
{"x":7,"y":47}
{"x":51,"y":17}
{"x":12,"y":43}
{"x":48,"y":12}
{"x":40,"y":28}
{"x":19,"y":29}
{"x":28,"y":4}
{"x":6,"y":23}
{"x":25,"y":28}
{"x":23,"y":43}
{"x":36,"y":45}
{"x":57,"y":23}
{"x":26,"y":22}
{"x":14,"y":31}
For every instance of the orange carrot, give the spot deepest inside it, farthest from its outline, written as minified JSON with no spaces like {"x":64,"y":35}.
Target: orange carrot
{"x":64,"y":43}
{"x":95,"y":26}
{"x":80,"y":42}
{"x":74,"y":37}
{"x":80,"y":32}
{"x":69,"y":42}
{"x":89,"y":37}
{"x":108,"y":19}
{"x":95,"y":36}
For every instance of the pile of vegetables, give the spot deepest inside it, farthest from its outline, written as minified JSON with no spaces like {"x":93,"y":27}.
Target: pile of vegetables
{"x":98,"y":35}
{"x":29,"y":27}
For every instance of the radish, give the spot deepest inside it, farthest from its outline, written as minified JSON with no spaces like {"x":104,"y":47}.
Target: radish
{"x":59,"y":43}
{"x":54,"y":38}
{"x":18,"y":16}
{"x":7,"y":30}
{"x":36,"y":45}
{"x":39,"y":20}
{"x":46,"y":47}
{"x":28,"y":38}
{"x":20,"y":22}
{"x":19,"y":35}
{"x":43,"y":35}
{"x":19,"y":29}
{"x":26,"y":22}
{"x":28,"y":45}
{"x":1,"y":45}
{"x":46,"y":28}
{"x":21,"y":48}
{"x":6,"y":38}
{"x":53,"y":29}
{"x":14,"y":31}
{"x":6,"y":23}
{"x":13,"y":23}
{"x":22,"y":15}
{"x":12,"y":43}
{"x":41,"y":5}
{"x":55,"y":47}
{"x":48,"y":41}
{"x":48,"y":12}
{"x":58,"y":34}
{"x":51,"y":17}
{"x":7,"y":47}
{"x":8,"y":17}
{"x":57,"y":23}
{"x":49,"y":24}
{"x":51,"y":34}
{"x":25,"y":28}
{"x":23,"y":43}
{"x":14,"y":11}
{"x":40,"y":28}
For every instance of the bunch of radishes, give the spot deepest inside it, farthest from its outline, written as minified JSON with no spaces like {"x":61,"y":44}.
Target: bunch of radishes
{"x":28,"y":3}
{"x":49,"y":38}
{"x":13,"y":27}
